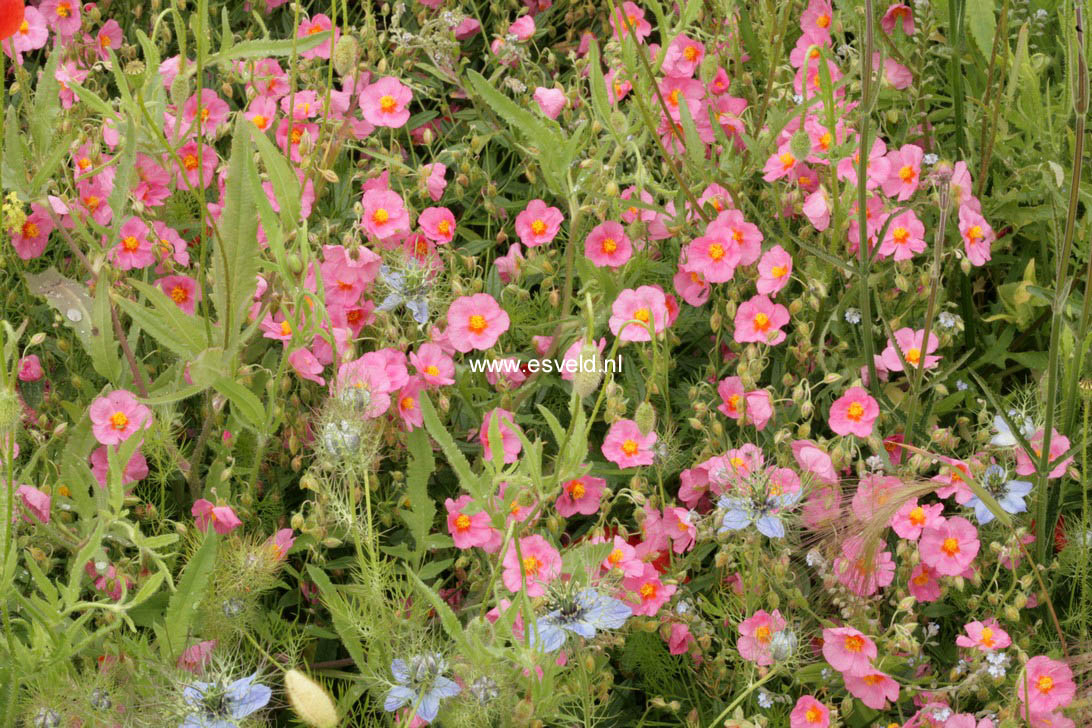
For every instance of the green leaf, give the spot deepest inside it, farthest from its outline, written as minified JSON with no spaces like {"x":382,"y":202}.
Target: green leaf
{"x":191,"y":590}
{"x":450,"y":622}
{"x":76,"y":565}
{"x":339,"y":611}
{"x":47,"y":100}
{"x":236,"y":253}
{"x":246,"y":403}
{"x":71,"y":300}
{"x":451,"y":451}
{"x":982,"y":24}
{"x":147,"y":589}
{"x":263,"y":48}
{"x":13,"y":174}
{"x":165,"y":321}
{"x":422,"y":510}
{"x":286,"y":186}
{"x":119,"y":196}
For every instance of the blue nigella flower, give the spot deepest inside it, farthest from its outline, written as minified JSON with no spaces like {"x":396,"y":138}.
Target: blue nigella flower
{"x":1009,"y":494}
{"x":221,"y":706}
{"x":402,"y":292}
{"x":1004,"y":436}
{"x":581,"y":614}
{"x":420,"y":685}
{"x":763,"y":511}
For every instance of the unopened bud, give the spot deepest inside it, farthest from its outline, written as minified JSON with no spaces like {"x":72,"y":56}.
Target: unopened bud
{"x":645,"y":417}
{"x":311,"y":703}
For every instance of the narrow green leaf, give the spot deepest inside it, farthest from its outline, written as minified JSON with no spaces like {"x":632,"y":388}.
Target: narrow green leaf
{"x":47,"y":104}
{"x":263,"y":48}
{"x":235,"y":257}
{"x":285,"y":184}
{"x":191,"y":590}
{"x":451,"y":451}
{"x":450,"y":622}
{"x":246,"y":403}
{"x":422,"y":509}
{"x":76,"y":565}
{"x":167,"y":323}
{"x":982,"y":24}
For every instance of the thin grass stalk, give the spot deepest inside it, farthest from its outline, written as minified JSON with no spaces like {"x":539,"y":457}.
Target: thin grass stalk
{"x":1048,"y":499}
{"x":862,"y":196}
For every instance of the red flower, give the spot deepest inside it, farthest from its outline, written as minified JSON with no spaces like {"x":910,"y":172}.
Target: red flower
{"x":11,"y":17}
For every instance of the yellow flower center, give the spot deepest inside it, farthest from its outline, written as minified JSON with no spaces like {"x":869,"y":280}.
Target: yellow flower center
{"x":629,"y":447}
{"x":762,"y":634}
{"x":286,"y":328}
{"x":642,"y":315}
{"x":873,"y":679}
{"x":538,"y":227}
{"x":444,"y":227}
{"x":179,"y":294}
{"x":975,"y":234}
{"x":30,"y":230}
{"x":987,"y":637}
{"x":779,"y":271}
{"x":190,"y":162}
{"x":462,"y":522}
{"x":823,"y":21}
{"x":762,"y":322}
{"x":690,"y":53}
{"x":477,"y":323}
{"x":432,"y":370}
{"x":609,"y":245}
{"x":917,"y":516}
{"x":63,"y":10}
{"x":531,"y":565}
{"x":647,"y":591}
{"x":408,"y":403}
{"x":119,"y":421}
{"x":260,"y":121}
{"x":130,"y":243}
{"x":907,"y":173}
{"x":387,"y":104}
{"x":854,"y":643}
{"x":380,"y":216}
{"x":950,"y":546}
{"x":716,"y":251}
{"x":855,"y":411}
{"x":577,"y":490}
{"x":813,"y":715}
{"x":825,"y":141}
{"x":1045,"y":684}
{"x":733,"y":403}
{"x":615,"y":556}
{"x":787,"y":160}
{"x":913,"y":356}
{"x":901,"y":235}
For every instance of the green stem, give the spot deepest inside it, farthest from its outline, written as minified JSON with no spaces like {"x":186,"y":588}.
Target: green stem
{"x":863,"y":256}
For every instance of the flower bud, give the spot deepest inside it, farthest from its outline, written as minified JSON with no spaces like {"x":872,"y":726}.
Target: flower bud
{"x":311,"y":703}
{"x":645,"y":417}
{"x":346,"y":54}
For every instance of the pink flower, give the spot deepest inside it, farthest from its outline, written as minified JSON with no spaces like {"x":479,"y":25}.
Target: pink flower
{"x":760,"y":320}
{"x":756,"y":634}
{"x":895,"y":74}
{"x":307,"y":365}
{"x":714,"y":255}
{"x":1044,"y":720}
{"x":537,"y":224}
{"x":977,"y":235}
{"x":538,"y":563}
{"x":133,"y":249}
{"x":197,"y":166}
{"x":312,"y":26}
{"x":645,"y":592}
{"x":854,"y":413}
{"x":30,"y":368}
{"x":630,"y":18}
{"x":909,"y":343}
{"x":523,"y":27}
{"x":680,"y":528}
{"x":984,"y":636}
{"x":848,"y":651}
{"x":895,"y":13}
{"x":640,"y":306}
{"x":864,"y":571}
{"x":468,"y":530}
{"x":195,"y":657}
{"x":812,"y":459}
{"x":680,"y":640}
{"x":815,"y":21}
{"x":435,"y":182}
{"x":30,"y":240}
{"x":214,"y":111}
{"x":506,"y":425}
{"x":63,"y":16}
{"x":626,"y":447}
{"x":809,"y":713}
{"x":774,"y":270}
{"x":573,"y":354}
{"x":182,"y":290}
{"x":135,"y":470}
{"x":117,"y":416}
{"x":222,"y":518}
{"x":904,"y":172}
{"x":1059,"y":445}
{"x":550,"y":101}
{"x":1046,"y":685}
{"x":280,"y":543}
{"x":732,"y":396}
{"x":923,"y":584}
{"x":623,"y":557}
{"x":692,"y":286}
{"x":436,"y":368}
{"x":30,"y":35}
{"x":384,"y":214}
{"x":580,"y":495}
{"x":607,"y":245}
{"x":361,"y":381}
{"x":911,"y":518}
{"x":386,"y":102}
{"x":746,"y":236}
{"x":873,"y":493}
{"x":949,"y":546}
{"x":873,"y":688}
{"x":438,"y":224}
{"x":35,"y":501}
{"x":780,"y":164}
{"x":683,"y":56}
{"x":905,"y":237}
{"x":475,"y":322}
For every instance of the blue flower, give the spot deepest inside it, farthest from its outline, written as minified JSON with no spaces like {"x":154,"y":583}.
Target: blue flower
{"x":582,"y":615}
{"x":763,"y":512}
{"x":420,"y":685}
{"x":1004,"y":436}
{"x":220,"y":706}
{"x":1009,"y":494}
{"x":404,"y":293}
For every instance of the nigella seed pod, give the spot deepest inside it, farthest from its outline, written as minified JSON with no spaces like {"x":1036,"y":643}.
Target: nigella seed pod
{"x":100,"y":699}
{"x":783,"y":645}
{"x":46,"y":718}
{"x":233,"y":607}
{"x":311,"y":703}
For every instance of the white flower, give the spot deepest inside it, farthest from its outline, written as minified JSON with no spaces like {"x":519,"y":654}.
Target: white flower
{"x":853,"y":316}
{"x":930,"y":159}
{"x":765,"y":700}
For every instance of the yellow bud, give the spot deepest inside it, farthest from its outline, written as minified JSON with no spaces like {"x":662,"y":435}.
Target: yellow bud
{"x":311,"y":703}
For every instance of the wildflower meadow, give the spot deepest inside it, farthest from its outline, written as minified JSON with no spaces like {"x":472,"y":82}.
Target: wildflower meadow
{"x":545,"y":364}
